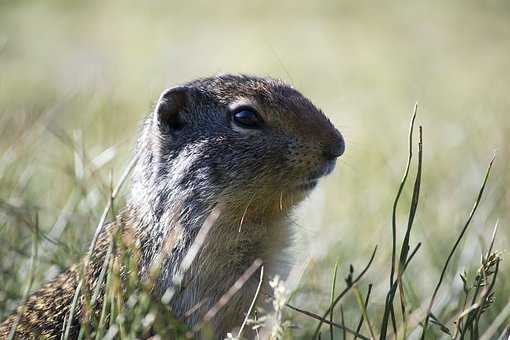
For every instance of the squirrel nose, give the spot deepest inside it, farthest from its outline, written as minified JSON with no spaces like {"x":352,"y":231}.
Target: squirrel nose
{"x":335,"y":148}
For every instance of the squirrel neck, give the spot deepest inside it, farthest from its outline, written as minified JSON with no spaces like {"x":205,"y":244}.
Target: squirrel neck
{"x":235,"y":239}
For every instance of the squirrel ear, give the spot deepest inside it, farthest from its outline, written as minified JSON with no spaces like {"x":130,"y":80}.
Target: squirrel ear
{"x":170,"y":105}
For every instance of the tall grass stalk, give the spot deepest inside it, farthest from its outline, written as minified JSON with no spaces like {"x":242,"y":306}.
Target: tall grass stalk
{"x":454,"y":248}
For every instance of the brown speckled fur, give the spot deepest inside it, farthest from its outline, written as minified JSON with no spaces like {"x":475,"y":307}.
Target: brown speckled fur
{"x":43,"y":314}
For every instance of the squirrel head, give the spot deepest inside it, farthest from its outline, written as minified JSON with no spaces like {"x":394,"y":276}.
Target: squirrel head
{"x":240,"y":140}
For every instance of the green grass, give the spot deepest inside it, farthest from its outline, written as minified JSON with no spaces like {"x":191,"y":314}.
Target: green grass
{"x":75,"y":81}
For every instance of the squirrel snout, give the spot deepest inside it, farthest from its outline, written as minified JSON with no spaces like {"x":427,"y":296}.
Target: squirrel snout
{"x":335,"y":147}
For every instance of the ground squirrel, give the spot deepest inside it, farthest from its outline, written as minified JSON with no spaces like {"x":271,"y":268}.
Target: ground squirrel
{"x":252,"y":146}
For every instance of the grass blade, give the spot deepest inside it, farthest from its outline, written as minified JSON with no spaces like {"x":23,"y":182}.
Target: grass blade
{"x":339,"y":297}
{"x":333,"y":289}
{"x":457,"y":242}
{"x":360,"y":323}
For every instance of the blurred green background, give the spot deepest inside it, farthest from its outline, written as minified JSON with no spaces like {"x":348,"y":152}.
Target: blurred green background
{"x":77,"y":78}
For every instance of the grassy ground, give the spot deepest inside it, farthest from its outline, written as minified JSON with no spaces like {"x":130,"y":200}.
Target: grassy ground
{"x":75,"y":81}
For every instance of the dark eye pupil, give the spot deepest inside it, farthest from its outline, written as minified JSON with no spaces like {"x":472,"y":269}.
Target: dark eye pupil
{"x":247,"y":118}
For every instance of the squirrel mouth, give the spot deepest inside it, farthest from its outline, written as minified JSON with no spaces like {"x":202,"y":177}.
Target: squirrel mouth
{"x":313,"y":180}
{"x":308,"y":185}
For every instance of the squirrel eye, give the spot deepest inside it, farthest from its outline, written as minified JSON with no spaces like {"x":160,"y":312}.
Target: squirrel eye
{"x":247,"y":118}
